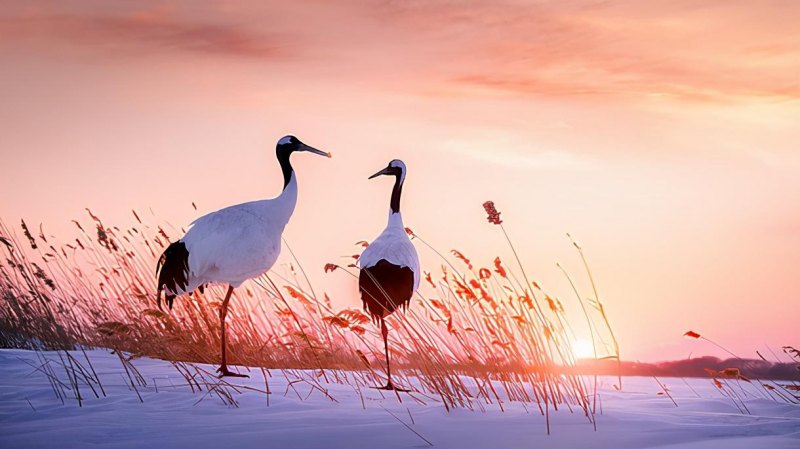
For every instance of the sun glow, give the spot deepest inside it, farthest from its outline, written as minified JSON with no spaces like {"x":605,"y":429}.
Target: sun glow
{"x":582,"y":349}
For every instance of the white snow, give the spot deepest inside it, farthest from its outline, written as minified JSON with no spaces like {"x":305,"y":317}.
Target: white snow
{"x":31,"y":416}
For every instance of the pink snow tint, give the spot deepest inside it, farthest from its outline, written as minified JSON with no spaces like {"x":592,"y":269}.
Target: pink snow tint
{"x":32,"y":417}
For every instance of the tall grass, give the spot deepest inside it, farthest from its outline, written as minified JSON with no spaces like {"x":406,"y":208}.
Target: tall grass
{"x":769,"y":389}
{"x":472,"y":332}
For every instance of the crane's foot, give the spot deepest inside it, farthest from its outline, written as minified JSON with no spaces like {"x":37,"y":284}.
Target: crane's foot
{"x":224,"y":372}
{"x":391,"y":387}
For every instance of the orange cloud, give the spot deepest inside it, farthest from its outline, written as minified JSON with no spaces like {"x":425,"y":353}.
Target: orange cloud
{"x":698,"y":51}
{"x":149,"y":30}
{"x":687,"y":50}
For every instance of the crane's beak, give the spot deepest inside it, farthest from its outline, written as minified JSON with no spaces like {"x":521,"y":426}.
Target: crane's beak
{"x":385,"y":171}
{"x":304,"y":147}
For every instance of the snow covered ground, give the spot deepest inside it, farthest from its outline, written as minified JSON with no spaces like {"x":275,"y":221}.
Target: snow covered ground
{"x":171,"y":415}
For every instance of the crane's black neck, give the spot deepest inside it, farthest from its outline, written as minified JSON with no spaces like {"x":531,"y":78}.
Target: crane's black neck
{"x":396,"y":192}
{"x":286,"y":165}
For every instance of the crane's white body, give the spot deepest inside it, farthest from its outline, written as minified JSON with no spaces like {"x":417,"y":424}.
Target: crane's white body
{"x":393,"y":246}
{"x":238,"y":242}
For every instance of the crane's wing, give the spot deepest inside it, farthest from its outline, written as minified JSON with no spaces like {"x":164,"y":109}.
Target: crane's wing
{"x":235,"y":241}
{"x":394,"y":247}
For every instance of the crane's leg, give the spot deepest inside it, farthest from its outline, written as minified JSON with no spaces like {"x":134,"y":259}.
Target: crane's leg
{"x":385,"y":333}
{"x":389,"y":384}
{"x":223,"y":311}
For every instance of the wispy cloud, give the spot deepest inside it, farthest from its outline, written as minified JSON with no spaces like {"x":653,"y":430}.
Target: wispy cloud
{"x":703,"y":51}
{"x":706,"y":51}
{"x":142,"y":31}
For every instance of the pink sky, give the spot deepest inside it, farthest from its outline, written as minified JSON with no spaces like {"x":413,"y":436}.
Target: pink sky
{"x":662,"y":135}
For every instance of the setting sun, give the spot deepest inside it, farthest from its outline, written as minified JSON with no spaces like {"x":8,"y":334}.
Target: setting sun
{"x":582,"y":349}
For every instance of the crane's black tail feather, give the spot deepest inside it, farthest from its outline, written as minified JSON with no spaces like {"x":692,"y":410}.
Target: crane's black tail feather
{"x":173,"y":271}
{"x":385,"y":287}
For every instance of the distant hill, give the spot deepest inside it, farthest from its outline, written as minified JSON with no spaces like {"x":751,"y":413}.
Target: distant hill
{"x":694,"y":367}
